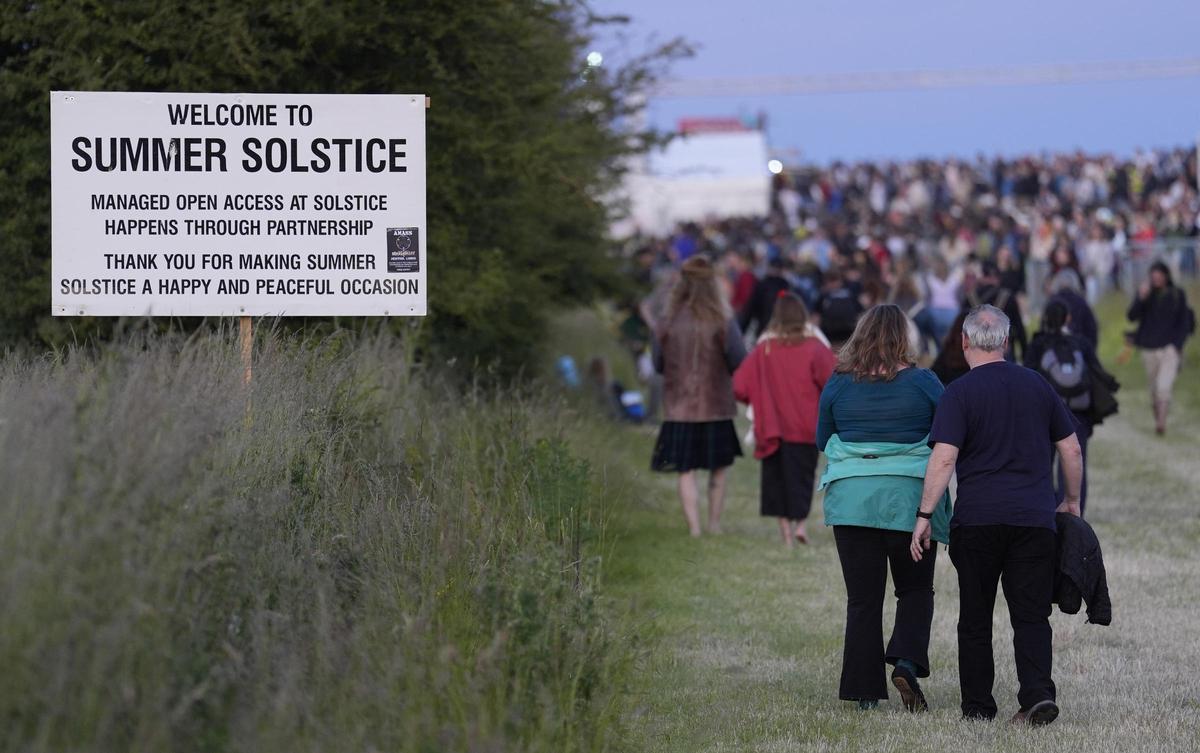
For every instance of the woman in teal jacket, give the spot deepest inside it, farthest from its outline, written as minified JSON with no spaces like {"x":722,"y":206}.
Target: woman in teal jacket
{"x":873,"y":425}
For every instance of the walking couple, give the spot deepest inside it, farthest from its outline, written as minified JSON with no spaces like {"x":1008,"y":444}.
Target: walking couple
{"x":878,"y":416}
{"x":886,"y":497}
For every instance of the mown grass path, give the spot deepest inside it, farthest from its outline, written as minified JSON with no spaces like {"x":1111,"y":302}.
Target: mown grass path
{"x":745,"y":637}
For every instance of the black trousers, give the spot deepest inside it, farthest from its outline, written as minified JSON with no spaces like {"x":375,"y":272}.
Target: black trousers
{"x":865,"y":554}
{"x":1022,"y":560}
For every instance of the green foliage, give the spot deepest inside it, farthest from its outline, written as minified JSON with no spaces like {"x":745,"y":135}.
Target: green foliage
{"x":523,"y":138}
{"x":360,"y":561}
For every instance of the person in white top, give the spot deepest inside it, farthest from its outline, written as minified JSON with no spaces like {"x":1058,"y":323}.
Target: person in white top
{"x":1037,"y":267}
{"x":943,"y":288}
{"x":1097,"y":257}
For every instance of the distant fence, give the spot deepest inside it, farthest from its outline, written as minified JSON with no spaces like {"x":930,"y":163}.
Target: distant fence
{"x":1134,"y":262}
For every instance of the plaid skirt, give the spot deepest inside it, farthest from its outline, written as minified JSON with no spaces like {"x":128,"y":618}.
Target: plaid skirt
{"x":687,"y":445}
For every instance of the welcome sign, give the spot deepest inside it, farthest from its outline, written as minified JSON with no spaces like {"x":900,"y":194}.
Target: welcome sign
{"x":238,"y":204}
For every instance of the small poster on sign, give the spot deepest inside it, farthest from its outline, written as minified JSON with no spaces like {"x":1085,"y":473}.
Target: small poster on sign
{"x":403,"y":253}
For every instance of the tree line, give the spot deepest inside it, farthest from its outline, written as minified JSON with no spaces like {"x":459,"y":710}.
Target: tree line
{"x":525,"y":140}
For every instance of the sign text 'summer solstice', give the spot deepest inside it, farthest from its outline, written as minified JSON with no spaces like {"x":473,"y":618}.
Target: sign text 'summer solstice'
{"x":238,"y":204}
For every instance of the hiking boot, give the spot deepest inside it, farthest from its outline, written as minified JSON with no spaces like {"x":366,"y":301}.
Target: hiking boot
{"x":910,"y":690}
{"x":1038,"y":715}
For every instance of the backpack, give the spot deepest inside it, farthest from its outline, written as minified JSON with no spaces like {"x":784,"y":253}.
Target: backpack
{"x":1070,"y":378}
{"x":839,"y":314}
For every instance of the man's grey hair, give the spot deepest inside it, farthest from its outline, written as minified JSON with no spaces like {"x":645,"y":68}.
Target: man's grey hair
{"x":986,"y":328}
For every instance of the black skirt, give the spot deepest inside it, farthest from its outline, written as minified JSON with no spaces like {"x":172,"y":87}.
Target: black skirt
{"x":687,"y":445}
{"x":787,"y":481}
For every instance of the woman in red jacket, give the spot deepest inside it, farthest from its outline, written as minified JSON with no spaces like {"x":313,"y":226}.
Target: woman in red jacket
{"x":782,"y":379}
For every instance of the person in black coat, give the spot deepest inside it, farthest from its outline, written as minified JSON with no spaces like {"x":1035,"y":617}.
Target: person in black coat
{"x":838,"y":308}
{"x":950,"y":363}
{"x":1068,"y":288}
{"x":1054,"y":348}
{"x":761,"y":305}
{"x":1164,"y":323}
{"x":989,"y":290}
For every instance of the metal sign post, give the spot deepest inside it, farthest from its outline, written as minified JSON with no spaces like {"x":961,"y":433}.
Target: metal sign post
{"x":246,"y":341}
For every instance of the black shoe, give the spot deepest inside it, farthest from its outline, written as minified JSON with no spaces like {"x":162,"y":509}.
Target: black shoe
{"x":1038,"y":715}
{"x":910,"y":690}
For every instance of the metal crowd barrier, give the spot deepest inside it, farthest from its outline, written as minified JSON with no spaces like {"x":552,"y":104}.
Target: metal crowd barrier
{"x":1133,"y":262}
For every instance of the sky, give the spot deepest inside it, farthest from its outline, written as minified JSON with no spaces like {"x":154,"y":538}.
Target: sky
{"x":796,"y":37}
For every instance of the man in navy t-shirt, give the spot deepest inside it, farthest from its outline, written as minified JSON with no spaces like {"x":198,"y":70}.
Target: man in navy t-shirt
{"x":999,"y":426}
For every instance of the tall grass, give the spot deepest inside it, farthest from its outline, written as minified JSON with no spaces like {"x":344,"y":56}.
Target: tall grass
{"x":362,"y":560}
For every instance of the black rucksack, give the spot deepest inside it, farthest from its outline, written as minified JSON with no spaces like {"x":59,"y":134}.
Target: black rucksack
{"x":839,"y":314}
{"x":1069,"y":377}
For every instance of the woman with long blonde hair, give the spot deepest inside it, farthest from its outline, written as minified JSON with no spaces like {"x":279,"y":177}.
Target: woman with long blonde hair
{"x":697,"y":346}
{"x":782,"y":379}
{"x":873,"y":425}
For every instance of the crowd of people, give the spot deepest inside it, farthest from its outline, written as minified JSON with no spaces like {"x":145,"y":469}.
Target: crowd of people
{"x":882,"y":225}
{"x":936,"y":238}
{"x":820,"y":317}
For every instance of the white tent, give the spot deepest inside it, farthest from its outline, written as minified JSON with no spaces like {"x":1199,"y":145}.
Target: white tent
{"x":696,"y":177}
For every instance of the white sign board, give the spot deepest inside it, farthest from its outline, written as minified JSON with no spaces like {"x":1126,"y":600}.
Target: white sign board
{"x":238,"y":204}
